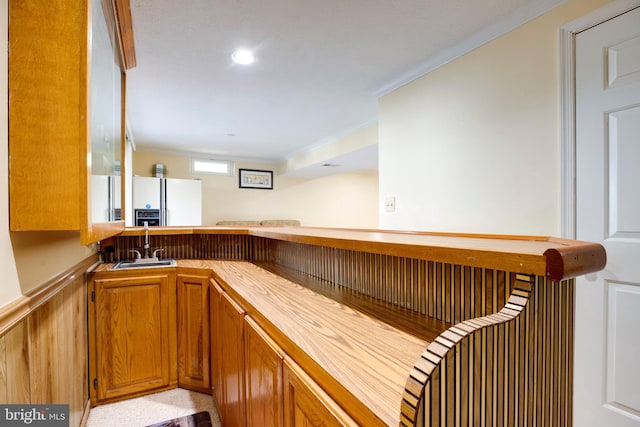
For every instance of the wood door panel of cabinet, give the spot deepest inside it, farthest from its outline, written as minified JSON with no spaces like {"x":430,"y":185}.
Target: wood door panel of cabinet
{"x":135,"y":334}
{"x":50,"y":71}
{"x":193,"y":332}
{"x":232,"y":366}
{"x":306,"y":404}
{"x":47,"y":101}
{"x":263,"y":360}
{"x":215,"y":293}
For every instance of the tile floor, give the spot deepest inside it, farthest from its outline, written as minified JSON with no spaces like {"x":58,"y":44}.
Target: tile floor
{"x":153,"y":408}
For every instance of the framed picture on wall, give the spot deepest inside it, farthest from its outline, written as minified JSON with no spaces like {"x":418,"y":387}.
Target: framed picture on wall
{"x":251,"y":178}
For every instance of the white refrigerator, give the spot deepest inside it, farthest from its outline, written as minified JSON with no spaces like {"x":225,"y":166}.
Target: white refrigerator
{"x":178,"y":200}
{"x":105,"y":198}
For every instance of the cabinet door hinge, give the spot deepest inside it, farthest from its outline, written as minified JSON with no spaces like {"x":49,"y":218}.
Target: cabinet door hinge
{"x":93,"y":296}
{"x":95,"y":383}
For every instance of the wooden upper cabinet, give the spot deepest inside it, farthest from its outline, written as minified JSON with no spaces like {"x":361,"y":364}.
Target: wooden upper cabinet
{"x":66,"y":104}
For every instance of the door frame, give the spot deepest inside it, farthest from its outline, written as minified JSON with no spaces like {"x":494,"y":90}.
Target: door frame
{"x":567,"y":36}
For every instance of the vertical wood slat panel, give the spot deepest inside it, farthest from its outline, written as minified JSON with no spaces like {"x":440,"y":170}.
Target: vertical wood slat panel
{"x":16,"y":364}
{"x":187,"y":246}
{"x":447,"y":292}
{"x":80,"y":374}
{"x":43,"y":341}
{"x":515,"y":366}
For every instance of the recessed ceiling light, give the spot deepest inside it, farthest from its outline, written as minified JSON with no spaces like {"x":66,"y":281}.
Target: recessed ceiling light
{"x":243,"y":56}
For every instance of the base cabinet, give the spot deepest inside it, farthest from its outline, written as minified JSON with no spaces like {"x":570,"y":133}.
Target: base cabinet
{"x":231,"y":403}
{"x":263,"y":379}
{"x":135,"y":335}
{"x":193,"y":332}
{"x":306,"y":404}
{"x":255,"y":383}
{"x":216,"y":341}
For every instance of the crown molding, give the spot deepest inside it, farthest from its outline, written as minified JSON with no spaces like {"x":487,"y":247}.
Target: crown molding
{"x":516,"y":19}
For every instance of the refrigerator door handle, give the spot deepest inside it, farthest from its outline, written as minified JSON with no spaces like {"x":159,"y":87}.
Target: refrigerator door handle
{"x":163,"y":202}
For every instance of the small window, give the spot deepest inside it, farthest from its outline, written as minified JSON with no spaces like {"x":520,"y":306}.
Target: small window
{"x":215,"y":167}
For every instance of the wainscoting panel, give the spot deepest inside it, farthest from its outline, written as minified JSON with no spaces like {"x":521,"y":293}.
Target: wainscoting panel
{"x":43,"y":356}
{"x":14,"y":363}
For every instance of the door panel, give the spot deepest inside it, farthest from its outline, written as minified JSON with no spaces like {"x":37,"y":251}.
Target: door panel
{"x":624,"y":173}
{"x":263,"y":380}
{"x":607,"y":346}
{"x":193,"y":332}
{"x":134,"y":345}
{"x":622,"y":349}
{"x":306,"y":404}
{"x":232,"y":368}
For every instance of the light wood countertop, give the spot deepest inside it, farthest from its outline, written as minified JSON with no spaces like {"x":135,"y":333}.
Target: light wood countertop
{"x":356,"y":358}
{"x":366,"y":357}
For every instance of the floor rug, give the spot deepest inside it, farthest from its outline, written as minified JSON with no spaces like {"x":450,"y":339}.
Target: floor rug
{"x":201,"y":419}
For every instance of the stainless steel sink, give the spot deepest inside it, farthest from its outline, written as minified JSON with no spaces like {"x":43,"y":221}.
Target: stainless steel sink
{"x":144,"y":263}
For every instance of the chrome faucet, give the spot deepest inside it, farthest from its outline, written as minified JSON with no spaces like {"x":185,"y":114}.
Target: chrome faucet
{"x":146,"y":259}
{"x":146,"y":240}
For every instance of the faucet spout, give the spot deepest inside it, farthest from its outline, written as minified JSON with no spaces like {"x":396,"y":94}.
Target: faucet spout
{"x":146,"y":239}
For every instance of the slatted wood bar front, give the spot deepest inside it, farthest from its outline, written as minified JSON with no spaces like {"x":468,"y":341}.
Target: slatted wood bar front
{"x":504,"y":354}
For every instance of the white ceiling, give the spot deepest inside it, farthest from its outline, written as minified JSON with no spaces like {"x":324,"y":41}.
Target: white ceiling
{"x":320,"y":67}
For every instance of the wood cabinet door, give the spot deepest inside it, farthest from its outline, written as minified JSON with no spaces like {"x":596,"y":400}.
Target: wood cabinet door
{"x":193,"y":332}
{"x":231,"y":360}
{"x":215,"y":293}
{"x":263,"y":380}
{"x":135,"y":337}
{"x":50,"y":93}
{"x":306,"y":404}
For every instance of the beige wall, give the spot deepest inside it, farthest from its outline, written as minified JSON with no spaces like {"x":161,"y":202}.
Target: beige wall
{"x":474,"y":146}
{"x":352,"y":142}
{"x":10,"y":285}
{"x":345,"y":200}
{"x":28,"y":258}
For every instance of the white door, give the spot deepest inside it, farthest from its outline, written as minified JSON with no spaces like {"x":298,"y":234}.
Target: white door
{"x":607,"y":342}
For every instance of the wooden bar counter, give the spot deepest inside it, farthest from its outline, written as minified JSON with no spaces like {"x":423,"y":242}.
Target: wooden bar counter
{"x":413,"y":328}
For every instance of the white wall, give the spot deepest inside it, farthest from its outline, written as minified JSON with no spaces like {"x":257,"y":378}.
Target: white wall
{"x":344,"y":200}
{"x":474,"y":146}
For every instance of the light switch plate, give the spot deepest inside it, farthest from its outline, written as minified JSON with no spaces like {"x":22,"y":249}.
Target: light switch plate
{"x":390,"y":204}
